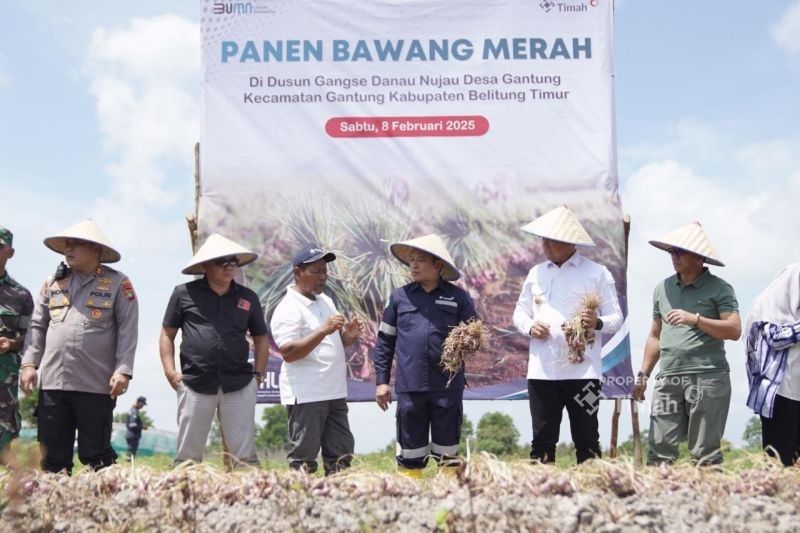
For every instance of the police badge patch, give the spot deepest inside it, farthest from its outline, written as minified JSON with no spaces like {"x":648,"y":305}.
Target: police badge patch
{"x":127,"y":290}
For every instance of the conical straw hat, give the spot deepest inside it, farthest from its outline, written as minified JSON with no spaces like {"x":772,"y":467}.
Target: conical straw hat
{"x":560,"y":224}
{"x":434,"y":245}
{"x":217,"y":246}
{"x":84,"y":231}
{"x":690,"y":238}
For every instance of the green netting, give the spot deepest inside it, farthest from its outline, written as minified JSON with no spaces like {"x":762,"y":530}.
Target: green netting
{"x":153,"y":441}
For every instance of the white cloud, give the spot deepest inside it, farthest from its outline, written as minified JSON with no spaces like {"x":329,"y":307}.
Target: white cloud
{"x":746,"y":218}
{"x":144,"y":80}
{"x":769,"y":161}
{"x":786,"y":31}
{"x":687,"y":136}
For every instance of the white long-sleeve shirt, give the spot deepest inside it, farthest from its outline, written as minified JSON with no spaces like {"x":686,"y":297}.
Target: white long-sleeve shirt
{"x":552,"y":294}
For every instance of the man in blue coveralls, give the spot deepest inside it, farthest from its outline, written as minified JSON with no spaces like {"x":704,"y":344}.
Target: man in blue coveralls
{"x":417,"y":320}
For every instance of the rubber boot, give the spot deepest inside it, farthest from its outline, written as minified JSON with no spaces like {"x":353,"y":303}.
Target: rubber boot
{"x":413,"y":473}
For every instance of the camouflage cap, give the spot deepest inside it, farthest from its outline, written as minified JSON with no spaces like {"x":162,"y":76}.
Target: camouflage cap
{"x":6,"y":237}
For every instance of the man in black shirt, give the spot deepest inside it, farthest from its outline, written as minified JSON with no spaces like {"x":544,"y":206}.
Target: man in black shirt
{"x":134,"y":426}
{"x":214,"y":315}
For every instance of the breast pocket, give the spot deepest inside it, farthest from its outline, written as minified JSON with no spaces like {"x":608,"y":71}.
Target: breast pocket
{"x":236,"y":320}
{"x":707,"y":307}
{"x":99,"y":313}
{"x":9,"y":318}
{"x":446,"y":314}
{"x":538,"y":293}
{"x":406,"y":316}
{"x":58,"y":312}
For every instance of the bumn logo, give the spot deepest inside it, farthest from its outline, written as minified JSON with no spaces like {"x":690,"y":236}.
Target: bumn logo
{"x":233,"y":8}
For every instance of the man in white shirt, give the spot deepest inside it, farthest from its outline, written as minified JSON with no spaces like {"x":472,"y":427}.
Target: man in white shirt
{"x":551,"y":295}
{"x":311,"y":336}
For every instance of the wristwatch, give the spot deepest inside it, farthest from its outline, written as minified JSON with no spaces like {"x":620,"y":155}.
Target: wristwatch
{"x":259,"y":377}
{"x":599,"y":325}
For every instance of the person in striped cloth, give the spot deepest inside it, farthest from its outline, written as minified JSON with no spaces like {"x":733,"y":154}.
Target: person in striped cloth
{"x":772,"y":341}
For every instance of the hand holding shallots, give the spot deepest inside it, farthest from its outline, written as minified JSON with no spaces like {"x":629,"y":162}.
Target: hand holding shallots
{"x":579,"y":330}
{"x":463,"y":341}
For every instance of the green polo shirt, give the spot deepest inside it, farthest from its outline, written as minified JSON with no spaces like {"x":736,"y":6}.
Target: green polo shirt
{"x":688,"y":349}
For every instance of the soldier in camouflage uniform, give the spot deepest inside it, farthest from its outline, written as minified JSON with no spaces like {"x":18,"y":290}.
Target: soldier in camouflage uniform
{"x":16,"y":307}
{"x":82,"y":341}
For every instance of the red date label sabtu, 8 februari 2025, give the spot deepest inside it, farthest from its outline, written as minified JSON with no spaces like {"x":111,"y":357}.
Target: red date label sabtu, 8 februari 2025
{"x":438,"y":126}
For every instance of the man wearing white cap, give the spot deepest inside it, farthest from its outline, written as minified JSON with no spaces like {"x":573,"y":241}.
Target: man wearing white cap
{"x":214,"y":315}
{"x":694,"y":313}
{"x":551,"y":295}
{"x":82,"y":340}
{"x":415,"y":324}
{"x":311,"y":335}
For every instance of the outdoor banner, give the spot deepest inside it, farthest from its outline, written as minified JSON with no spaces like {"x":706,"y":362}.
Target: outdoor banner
{"x":358,"y":124}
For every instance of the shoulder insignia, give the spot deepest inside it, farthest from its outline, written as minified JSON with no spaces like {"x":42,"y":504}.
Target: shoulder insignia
{"x":127,"y":290}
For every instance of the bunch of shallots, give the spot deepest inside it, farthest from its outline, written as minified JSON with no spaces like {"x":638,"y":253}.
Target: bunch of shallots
{"x":463,"y":341}
{"x":578,"y":337}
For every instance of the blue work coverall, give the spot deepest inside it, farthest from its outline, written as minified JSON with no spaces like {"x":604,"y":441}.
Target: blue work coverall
{"x":415,"y":325}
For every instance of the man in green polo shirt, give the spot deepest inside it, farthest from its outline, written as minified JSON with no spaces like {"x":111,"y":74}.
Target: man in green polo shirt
{"x":694,"y":312}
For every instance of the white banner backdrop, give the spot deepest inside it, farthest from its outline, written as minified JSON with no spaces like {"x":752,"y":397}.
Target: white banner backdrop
{"x":356,"y":124}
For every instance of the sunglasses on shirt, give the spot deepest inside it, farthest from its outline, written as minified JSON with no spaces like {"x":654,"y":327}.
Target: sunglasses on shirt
{"x":225,"y":262}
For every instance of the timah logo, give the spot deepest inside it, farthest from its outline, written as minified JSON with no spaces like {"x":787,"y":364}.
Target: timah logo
{"x":547,"y":5}
{"x":564,"y":7}
{"x":233,"y":8}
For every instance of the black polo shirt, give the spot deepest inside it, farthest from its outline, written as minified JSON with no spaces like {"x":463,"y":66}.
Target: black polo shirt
{"x":214,"y":350}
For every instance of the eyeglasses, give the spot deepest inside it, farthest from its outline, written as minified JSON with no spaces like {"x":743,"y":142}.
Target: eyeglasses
{"x":75,"y":243}
{"x":225,"y":262}
{"x":676,"y":251}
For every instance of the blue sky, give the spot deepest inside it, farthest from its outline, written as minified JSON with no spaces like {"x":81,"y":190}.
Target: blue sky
{"x":100,"y":107}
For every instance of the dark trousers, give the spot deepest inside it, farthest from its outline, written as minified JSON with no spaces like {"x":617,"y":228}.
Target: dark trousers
{"x":547,"y":399}
{"x":133,"y":442}
{"x":316,"y":425}
{"x":780,"y":435}
{"x":437,"y":414}
{"x":60,"y":414}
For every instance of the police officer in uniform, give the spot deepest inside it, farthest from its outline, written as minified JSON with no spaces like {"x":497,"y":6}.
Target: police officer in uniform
{"x":16,"y":307}
{"x":82,"y":342}
{"x":417,"y":320}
